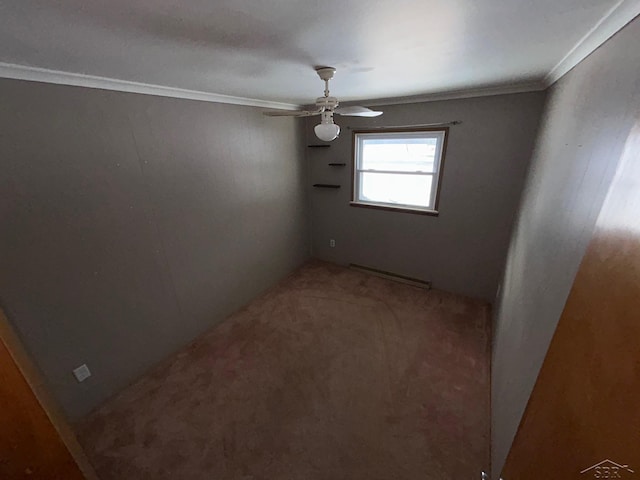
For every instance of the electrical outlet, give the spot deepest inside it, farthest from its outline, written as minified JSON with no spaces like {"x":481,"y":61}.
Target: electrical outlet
{"x":332,"y":243}
{"x":82,"y":372}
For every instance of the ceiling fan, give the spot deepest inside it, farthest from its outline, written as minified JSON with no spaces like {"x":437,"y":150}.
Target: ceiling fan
{"x":326,"y":106}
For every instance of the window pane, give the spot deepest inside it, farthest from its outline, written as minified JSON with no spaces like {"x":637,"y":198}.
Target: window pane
{"x":402,"y":154}
{"x":402,"y":189}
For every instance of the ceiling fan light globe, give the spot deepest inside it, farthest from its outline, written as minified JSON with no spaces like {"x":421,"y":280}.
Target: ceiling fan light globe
{"x":327,"y":131}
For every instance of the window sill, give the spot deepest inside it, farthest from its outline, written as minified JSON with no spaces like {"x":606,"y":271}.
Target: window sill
{"x":433,"y":213}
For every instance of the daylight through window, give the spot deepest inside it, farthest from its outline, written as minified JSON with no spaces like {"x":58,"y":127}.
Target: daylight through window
{"x":398,"y":169}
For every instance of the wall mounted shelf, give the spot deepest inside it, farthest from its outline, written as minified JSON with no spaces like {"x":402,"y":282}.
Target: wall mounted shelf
{"x":337,"y":164}
{"x":325,"y":185}
{"x":318,"y":146}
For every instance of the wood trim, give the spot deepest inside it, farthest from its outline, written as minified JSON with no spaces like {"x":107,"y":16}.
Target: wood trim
{"x":436,"y":203}
{"x":353,"y":163}
{"x":401,"y":130}
{"x":34,"y":380}
{"x":432,"y":213}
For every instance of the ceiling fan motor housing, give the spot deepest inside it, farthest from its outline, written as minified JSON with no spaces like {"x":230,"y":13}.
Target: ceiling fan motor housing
{"x":326,"y":106}
{"x":327,"y":103}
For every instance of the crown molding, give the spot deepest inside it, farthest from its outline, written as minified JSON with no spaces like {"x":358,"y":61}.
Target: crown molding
{"x":454,"y":94}
{"x":613,"y":21}
{"x":35,"y":74}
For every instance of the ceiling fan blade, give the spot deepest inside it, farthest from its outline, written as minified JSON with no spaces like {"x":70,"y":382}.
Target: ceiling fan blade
{"x":357,"y":111}
{"x":291,"y":113}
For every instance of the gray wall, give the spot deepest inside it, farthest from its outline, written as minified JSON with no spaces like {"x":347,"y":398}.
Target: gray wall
{"x":131,"y":223}
{"x":586,"y":122}
{"x":463,"y":249}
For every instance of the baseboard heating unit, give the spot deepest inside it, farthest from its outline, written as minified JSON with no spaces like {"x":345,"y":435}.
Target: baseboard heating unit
{"x":416,"y":282}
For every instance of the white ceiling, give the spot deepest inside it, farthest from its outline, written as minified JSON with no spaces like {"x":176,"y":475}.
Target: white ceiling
{"x":266,"y":49}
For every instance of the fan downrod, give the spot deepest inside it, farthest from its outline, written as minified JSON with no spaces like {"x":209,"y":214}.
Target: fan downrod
{"x":325,"y":74}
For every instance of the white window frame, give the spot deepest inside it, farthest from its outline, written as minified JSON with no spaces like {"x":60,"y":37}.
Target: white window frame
{"x":359,"y":136}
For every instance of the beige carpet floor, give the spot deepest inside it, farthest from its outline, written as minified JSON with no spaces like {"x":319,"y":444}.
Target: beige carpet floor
{"x":332,"y":374}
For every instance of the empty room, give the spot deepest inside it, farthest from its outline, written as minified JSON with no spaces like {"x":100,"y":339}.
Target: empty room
{"x":361,"y":240}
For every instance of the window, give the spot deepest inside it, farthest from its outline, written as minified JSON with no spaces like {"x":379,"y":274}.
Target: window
{"x":399,"y":170}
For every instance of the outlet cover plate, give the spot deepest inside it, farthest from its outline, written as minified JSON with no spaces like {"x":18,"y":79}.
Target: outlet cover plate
{"x":82,"y":372}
